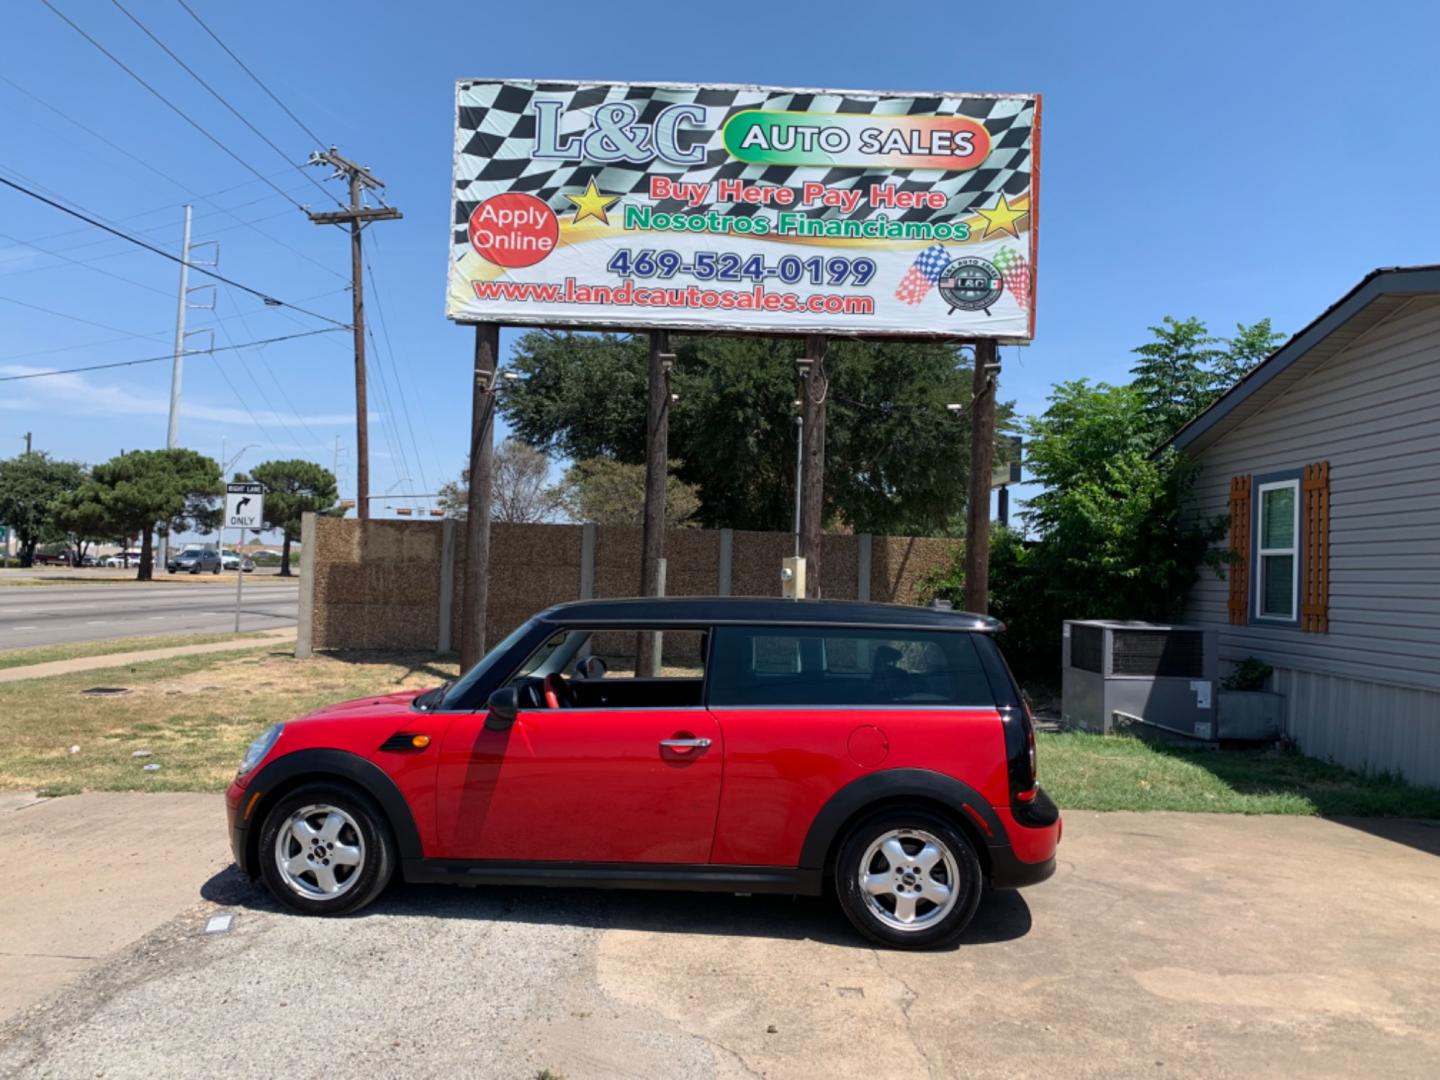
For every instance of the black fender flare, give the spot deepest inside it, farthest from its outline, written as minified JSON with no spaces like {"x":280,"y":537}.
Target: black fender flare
{"x":889,"y":784}
{"x":320,"y":763}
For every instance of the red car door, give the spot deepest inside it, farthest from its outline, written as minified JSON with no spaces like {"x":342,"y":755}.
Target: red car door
{"x":635,"y":785}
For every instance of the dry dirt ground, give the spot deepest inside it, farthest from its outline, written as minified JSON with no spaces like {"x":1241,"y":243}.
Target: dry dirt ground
{"x":1166,"y":945}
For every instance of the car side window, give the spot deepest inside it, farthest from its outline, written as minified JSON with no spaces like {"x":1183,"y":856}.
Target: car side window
{"x":757,"y":666}
{"x":600,"y":669}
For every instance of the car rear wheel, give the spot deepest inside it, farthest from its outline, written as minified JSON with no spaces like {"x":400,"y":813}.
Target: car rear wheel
{"x":325,"y":850}
{"x":908,"y":879}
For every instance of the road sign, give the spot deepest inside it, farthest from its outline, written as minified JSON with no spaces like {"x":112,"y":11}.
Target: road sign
{"x":244,"y":506}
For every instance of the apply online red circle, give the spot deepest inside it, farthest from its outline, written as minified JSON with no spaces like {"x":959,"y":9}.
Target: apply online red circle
{"x":513,"y":229}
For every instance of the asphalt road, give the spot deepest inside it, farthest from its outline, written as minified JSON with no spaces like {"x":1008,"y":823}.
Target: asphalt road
{"x":1166,"y":945}
{"x":60,"y":614}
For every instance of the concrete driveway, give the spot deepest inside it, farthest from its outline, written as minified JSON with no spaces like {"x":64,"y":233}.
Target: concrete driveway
{"x":1167,"y":944}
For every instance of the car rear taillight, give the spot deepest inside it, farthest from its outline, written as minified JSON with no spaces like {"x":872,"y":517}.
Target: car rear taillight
{"x":1022,"y":773}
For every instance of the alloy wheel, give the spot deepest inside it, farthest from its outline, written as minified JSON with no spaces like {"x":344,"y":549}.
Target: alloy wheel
{"x":320,"y":852}
{"x":909,"y":879}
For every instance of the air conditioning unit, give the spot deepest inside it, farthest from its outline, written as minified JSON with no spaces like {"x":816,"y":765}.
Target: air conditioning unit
{"x":1147,"y":678}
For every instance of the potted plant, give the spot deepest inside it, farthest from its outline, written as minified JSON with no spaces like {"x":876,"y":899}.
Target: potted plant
{"x":1245,"y":709}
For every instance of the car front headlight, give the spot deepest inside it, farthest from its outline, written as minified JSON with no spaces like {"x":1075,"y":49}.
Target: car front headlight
{"x":259,"y":748}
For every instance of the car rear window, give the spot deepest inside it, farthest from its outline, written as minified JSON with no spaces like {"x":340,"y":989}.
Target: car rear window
{"x":838,"y":667}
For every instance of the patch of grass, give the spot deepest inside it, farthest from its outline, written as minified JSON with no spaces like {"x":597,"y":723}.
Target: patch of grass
{"x":1110,"y":772}
{"x":195,"y":714}
{"x":44,"y":654}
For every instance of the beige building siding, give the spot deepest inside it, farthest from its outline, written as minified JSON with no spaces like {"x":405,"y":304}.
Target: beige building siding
{"x":1367,"y":693}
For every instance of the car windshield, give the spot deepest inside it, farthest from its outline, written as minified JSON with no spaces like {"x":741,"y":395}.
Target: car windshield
{"x":459,"y":691}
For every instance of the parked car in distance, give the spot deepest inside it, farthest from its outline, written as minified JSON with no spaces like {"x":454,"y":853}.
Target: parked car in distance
{"x":53,"y":558}
{"x":782,"y":746}
{"x":195,"y":560}
{"x":123,"y":559}
{"x":231,"y":560}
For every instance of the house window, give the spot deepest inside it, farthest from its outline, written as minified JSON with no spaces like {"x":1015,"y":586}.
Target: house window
{"x":1278,"y":551}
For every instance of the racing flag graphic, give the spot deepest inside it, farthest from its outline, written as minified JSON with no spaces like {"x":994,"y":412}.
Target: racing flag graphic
{"x":922,"y":275}
{"x":1016,"y":271}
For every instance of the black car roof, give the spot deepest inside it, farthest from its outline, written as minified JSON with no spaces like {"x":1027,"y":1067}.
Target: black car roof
{"x":763,"y":610}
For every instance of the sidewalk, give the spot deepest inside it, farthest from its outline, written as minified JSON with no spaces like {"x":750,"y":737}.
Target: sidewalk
{"x":89,"y":874}
{"x":94,"y":663}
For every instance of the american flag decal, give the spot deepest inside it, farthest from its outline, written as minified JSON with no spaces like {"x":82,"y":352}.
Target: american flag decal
{"x":1016,"y":271}
{"x":922,"y":275}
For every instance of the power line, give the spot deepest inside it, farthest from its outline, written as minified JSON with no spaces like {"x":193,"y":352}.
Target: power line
{"x":168,"y":178}
{"x":169,"y":356}
{"x":265,"y":363}
{"x":170,"y":104}
{"x":77,"y":318}
{"x":208,"y":272}
{"x":388,"y":421}
{"x":395,"y":373}
{"x":274,"y":412}
{"x":228,"y":52}
{"x":150,"y":230}
{"x":75,"y":262}
{"x":218,"y":97}
{"x":8,"y":357}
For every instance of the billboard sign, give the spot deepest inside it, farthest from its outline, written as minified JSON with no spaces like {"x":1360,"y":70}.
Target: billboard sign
{"x":744,"y":208}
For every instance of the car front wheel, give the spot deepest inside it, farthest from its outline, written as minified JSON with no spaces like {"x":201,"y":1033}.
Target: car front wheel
{"x":325,"y":850}
{"x":908,"y":879}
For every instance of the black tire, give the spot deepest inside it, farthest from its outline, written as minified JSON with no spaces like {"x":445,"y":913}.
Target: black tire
{"x":359,"y":887}
{"x":957,"y":860}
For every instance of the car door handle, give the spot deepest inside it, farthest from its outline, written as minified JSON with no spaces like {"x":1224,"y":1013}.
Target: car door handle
{"x":684,"y":744}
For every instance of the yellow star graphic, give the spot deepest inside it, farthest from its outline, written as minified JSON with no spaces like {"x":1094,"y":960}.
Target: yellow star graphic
{"x":1001,"y":217}
{"x":591,"y":204}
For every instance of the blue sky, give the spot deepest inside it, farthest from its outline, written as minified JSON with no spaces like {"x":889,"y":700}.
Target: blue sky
{"x":1226,"y":160}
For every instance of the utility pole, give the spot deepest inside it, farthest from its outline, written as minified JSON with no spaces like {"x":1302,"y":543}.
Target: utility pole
{"x":814,"y":387}
{"x":177,"y":363}
{"x":27,"y":444}
{"x":357,"y":216}
{"x":657,"y":452}
{"x":982,"y":459}
{"x":476,"y":588}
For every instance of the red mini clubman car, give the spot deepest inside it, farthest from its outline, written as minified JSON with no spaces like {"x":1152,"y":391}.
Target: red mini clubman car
{"x":743,"y":745}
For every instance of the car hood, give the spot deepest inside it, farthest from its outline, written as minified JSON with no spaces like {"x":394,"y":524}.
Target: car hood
{"x":383,"y":704}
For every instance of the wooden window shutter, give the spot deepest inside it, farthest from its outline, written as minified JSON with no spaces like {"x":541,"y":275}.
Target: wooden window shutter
{"x":1315,"y":597}
{"x":1240,"y":545}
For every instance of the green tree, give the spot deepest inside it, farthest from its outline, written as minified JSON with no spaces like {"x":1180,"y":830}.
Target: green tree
{"x":146,"y":489}
{"x":1250,"y":345}
{"x":1175,"y":374}
{"x":895,"y":456}
{"x":1115,"y":537}
{"x":1183,"y":370}
{"x":84,"y":521}
{"x":29,"y":485}
{"x":291,"y":488}
{"x":613,"y":493}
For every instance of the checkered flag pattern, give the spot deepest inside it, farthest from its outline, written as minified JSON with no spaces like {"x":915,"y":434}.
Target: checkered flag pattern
{"x":922,"y":275}
{"x":1016,"y":271}
{"x":495,"y":136}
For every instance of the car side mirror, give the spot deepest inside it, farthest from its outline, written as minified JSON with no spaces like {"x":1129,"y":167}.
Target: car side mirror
{"x":502,"y":708}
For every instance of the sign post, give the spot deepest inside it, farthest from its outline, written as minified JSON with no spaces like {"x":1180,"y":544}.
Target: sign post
{"x":244,"y":509}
